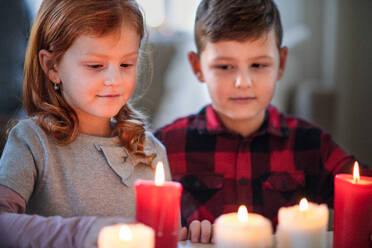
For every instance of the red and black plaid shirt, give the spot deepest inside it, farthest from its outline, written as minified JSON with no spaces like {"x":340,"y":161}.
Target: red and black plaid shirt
{"x":285,"y":160}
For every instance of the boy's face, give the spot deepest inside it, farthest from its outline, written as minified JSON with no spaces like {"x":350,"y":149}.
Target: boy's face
{"x":240,"y":76}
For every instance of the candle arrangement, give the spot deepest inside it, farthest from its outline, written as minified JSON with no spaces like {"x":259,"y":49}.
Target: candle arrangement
{"x":129,"y":236}
{"x":243,"y":230}
{"x":158,"y":205}
{"x":353,"y":210}
{"x":303,"y":225}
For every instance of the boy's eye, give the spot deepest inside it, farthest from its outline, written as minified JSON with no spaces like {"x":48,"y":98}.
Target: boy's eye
{"x":224,"y":67}
{"x":258,"y":65}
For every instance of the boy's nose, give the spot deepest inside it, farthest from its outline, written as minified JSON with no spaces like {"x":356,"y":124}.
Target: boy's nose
{"x":108,"y":82}
{"x":243,"y":81}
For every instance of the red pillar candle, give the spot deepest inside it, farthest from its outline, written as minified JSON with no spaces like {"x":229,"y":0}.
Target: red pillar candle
{"x":353,"y":211}
{"x":158,"y":206}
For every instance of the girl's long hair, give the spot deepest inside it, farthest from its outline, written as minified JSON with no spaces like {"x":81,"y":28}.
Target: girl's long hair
{"x":57,"y":25}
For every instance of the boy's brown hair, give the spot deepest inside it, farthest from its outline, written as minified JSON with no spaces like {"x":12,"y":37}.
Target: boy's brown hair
{"x":237,"y":20}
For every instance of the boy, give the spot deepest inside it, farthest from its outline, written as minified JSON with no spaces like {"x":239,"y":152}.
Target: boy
{"x":240,"y":149}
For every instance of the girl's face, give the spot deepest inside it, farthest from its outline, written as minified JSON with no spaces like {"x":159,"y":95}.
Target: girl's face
{"x":98,"y":76}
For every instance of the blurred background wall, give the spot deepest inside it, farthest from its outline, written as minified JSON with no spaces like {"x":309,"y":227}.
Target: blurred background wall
{"x":15,"y":19}
{"x":327,"y":81}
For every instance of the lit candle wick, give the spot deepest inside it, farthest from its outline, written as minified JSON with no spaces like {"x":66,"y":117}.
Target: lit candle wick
{"x":303,"y":205}
{"x":356,"y":172}
{"x":243,"y":213}
{"x":159,"y":174}
{"x":125,"y":233}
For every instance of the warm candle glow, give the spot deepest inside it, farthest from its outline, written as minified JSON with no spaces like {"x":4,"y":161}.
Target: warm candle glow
{"x":303,"y":205}
{"x":125,"y":233}
{"x":159,"y":174}
{"x":356,"y":172}
{"x":243,"y":213}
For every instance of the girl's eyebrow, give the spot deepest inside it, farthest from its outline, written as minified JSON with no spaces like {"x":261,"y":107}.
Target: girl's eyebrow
{"x":101,"y":55}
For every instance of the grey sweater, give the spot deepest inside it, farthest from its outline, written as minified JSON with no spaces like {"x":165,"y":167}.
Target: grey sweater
{"x":93,"y":176}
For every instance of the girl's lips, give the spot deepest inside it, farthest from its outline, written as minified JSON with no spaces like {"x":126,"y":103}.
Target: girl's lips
{"x":109,"y":95}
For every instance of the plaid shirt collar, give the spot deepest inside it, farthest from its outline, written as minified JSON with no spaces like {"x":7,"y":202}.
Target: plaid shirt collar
{"x":208,"y":122}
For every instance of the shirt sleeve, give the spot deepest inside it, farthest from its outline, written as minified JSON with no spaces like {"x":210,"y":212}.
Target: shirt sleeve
{"x":334,"y":161}
{"x":18,"y":164}
{"x":18,"y":229}
{"x":10,"y":201}
{"x":337,"y":161}
{"x":21,"y":230}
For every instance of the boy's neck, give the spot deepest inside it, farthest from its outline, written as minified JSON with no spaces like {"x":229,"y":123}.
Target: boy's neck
{"x":244,"y":127}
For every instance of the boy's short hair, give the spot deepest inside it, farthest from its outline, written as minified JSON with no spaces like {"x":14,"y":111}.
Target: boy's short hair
{"x":238,"y":20}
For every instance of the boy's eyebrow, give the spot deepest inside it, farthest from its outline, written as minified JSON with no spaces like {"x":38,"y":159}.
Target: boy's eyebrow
{"x":256,"y":57}
{"x":263,"y":57}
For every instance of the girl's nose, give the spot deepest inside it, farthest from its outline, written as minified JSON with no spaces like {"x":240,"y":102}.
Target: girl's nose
{"x":113,"y":77}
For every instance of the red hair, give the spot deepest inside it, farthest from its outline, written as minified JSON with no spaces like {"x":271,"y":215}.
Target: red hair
{"x":57,"y":25}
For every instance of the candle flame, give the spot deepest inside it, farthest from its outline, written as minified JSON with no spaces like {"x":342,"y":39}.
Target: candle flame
{"x":243,"y":213}
{"x":159,"y":174}
{"x":303,"y":205}
{"x":125,"y":233}
{"x":356,"y":172}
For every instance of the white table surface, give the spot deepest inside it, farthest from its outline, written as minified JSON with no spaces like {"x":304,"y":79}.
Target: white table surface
{"x":188,"y":244}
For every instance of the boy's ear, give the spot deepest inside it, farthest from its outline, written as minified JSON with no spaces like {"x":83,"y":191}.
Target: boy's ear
{"x":195,"y":65}
{"x":49,"y":67}
{"x":282,"y":61}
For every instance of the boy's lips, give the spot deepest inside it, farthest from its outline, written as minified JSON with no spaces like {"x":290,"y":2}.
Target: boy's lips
{"x":245,"y":99}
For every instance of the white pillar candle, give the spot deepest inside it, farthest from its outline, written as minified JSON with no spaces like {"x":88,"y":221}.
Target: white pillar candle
{"x":303,"y":225}
{"x":128,"y":236}
{"x":243,"y":230}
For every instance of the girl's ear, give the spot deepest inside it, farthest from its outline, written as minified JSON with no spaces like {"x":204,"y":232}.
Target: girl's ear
{"x":49,"y":67}
{"x":195,"y":65}
{"x":282,"y":61}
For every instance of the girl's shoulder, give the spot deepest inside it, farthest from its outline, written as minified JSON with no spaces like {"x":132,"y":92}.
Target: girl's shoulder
{"x":27,"y":129}
{"x":27,"y":126}
{"x":152,"y":143}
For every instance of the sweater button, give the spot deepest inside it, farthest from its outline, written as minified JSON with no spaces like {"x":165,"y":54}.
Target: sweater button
{"x":243,"y":181}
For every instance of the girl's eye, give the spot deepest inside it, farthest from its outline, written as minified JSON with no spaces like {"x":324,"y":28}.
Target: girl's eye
{"x":126,"y":65}
{"x":95,"y":66}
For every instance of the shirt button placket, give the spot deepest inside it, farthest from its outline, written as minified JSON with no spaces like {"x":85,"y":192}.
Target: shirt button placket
{"x":243,"y":173}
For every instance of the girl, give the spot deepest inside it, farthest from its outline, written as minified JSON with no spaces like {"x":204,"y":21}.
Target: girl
{"x":82,"y":146}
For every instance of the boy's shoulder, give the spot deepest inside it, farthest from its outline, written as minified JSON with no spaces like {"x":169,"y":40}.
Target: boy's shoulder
{"x":281,"y":119}
{"x":296,"y":127}
{"x":177,"y":124}
{"x":182,"y":123}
